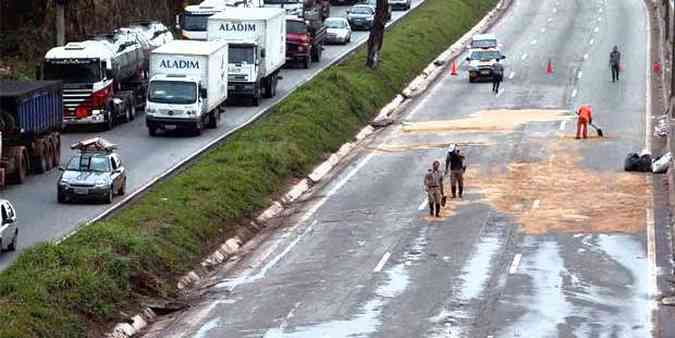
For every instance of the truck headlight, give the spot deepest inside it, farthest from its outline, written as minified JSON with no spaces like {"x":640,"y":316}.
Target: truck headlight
{"x":100,"y":183}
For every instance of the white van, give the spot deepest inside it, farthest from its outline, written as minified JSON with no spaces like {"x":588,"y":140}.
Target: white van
{"x":485,"y":41}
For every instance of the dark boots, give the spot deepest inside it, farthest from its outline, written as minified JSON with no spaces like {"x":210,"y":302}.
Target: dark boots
{"x":454,"y":191}
{"x":437,"y":211}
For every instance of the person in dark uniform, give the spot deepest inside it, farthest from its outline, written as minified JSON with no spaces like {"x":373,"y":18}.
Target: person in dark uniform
{"x":497,"y":76}
{"x":615,"y":63}
{"x":455,"y":167}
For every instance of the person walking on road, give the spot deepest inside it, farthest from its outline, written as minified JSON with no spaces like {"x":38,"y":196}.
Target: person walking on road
{"x":497,"y":76}
{"x":433,"y":185}
{"x":584,"y":117}
{"x":615,"y":63}
{"x":454,"y":161}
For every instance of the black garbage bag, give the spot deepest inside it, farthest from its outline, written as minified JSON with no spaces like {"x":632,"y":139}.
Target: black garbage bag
{"x":646,"y":163}
{"x":632,"y":162}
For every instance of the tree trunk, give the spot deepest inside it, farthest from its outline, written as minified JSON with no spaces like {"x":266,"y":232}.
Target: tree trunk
{"x":667,"y":18}
{"x":376,"y":36}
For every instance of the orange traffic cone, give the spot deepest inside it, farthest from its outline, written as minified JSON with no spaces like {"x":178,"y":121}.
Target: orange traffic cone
{"x":549,"y":67}
{"x":453,"y":69}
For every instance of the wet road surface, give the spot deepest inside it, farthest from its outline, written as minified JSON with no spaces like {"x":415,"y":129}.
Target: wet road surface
{"x":550,"y":240}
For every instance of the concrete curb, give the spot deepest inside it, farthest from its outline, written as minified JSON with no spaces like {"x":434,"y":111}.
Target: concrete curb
{"x":231,"y":246}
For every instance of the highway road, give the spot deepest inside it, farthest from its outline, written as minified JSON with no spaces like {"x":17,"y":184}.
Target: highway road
{"x":43,"y":219}
{"x":552,"y":238}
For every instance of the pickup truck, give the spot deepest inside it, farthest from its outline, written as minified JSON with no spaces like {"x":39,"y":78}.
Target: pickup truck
{"x":304,"y":40}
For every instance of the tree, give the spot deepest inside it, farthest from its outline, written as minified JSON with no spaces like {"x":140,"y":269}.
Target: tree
{"x":376,"y":36}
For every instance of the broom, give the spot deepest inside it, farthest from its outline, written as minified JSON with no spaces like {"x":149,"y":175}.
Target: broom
{"x":597,"y":129}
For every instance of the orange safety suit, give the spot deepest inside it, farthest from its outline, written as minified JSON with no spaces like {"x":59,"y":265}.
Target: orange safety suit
{"x":585,"y":114}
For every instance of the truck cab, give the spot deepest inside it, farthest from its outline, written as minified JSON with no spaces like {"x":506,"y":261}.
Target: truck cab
{"x":175,"y":101}
{"x":304,"y":40}
{"x":242,"y":72}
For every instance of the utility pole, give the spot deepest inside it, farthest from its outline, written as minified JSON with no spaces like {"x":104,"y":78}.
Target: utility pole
{"x":60,"y":22}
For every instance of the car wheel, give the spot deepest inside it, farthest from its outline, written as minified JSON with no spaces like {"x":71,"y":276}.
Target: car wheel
{"x":109,"y":197}
{"x":12,"y":245}
{"x":123,"y":188}
{"x":152,"y":131}
{"x":61,"y":197}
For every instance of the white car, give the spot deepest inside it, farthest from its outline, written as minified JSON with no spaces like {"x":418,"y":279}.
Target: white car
{"x":339,"y":30}
{"x":480,"y":62}
{"x":402,"y":5}
{"x":9,"y":230}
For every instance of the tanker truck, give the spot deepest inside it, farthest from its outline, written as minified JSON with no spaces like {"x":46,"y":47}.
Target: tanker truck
{"x":193,"y":21}
{"x":104,"y":78}
{"x":31,"y":116}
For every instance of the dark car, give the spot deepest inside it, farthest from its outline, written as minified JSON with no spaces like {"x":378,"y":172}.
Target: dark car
{"x":373,"y":4}
{"x":96,"y":173}
{"x":361,"y":17}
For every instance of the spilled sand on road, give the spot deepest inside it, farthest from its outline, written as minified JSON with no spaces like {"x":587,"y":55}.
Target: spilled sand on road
{"x":500,"y":120}
{"x":570,"y":198}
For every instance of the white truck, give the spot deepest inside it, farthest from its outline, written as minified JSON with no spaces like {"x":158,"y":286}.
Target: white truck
{"x":192,"y":21}
{"x":257,"y":40}
{"x":188,"y":86}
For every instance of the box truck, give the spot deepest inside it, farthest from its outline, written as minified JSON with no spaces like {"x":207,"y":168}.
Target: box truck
{"x":188,"y":86}
{"x":257,"y":40}
{"x":192,"y":21}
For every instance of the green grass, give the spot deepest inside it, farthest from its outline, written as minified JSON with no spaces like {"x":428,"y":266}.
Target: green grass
{"x":79,"y":287}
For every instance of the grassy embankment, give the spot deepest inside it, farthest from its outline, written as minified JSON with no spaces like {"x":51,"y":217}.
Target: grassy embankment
{"x":77,"y":287}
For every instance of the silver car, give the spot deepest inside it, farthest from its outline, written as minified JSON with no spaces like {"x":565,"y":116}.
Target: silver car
{"x":361,"y":16}
{"x":9,"y":229}
{"x":339,"y":30}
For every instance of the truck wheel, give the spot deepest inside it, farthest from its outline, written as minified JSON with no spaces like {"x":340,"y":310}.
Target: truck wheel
{"x":316,"y":54}
{"x":213,"y":119}
{"x":123,"y":188}
{"x":131,"y":110}
{"x":109,"y":122}
{"x":274,"y":81}
{"x":152,"y":131}
{"x":22,"y":166}
{"x":268,"y":83}
{"x":306,"y":62}
{"x":197,"y":131}
{"x":53,"y":162}
{"x":42,"y":162}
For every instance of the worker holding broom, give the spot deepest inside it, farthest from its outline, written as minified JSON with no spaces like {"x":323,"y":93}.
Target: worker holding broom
{"x":584,"y":117}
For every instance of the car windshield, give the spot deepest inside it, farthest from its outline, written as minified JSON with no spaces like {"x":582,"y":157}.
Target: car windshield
{"x":335,"y":24}
{"x":361,"y":10}
{"x":172,"y":92}
{"x":485,"y":55}
{"x":195,"y":22}
{"x":93,"y":163}
{"x":485,"y":43}
{"x":295,"y":27}
{"x":72,"y":71}
{"x":238,"y":55}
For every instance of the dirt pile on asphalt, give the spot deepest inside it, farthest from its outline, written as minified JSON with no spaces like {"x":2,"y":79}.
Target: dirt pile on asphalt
{"x":559,"y":195}
{"x":501,"y":120}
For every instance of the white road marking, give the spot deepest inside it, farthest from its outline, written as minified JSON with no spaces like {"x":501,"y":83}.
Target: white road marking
{"x":512,"y":75}
{"x":555,"y":10}
{"x":382,"y":262}
{"x":536,"y":203}
{"x":524,"y":57}
{"x":426,"y":98}
{"x":574,"y":93}
{"x":543,"y":30}
{"x":586,"y":56}
{"x":424,"y":204}
{"x":563,"y":124}
{"x":591,"y":42}
{"x":549,"y":20}
{"x":499,"y":93}
{"x":596,"y":29}
{"x":580,"y":74}
{"x":291,"y":314}
{"x":515,"y":263}
{"x":599,"y":19}
{"x":533,"y":42}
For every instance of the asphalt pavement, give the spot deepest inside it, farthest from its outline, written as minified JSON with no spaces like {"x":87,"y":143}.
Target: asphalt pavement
{"x":552,"y":238}
{"x":43,"y":219}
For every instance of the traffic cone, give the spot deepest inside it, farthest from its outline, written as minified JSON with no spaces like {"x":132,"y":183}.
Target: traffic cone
{"x":453,"y":69}
{"x":549,"y":67}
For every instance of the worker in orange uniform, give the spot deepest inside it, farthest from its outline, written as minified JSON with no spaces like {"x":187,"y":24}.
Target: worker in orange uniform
{"x":585,"y":116}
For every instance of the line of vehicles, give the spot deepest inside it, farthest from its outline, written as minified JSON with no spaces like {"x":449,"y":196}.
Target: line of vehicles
{"x":230,"y":49}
